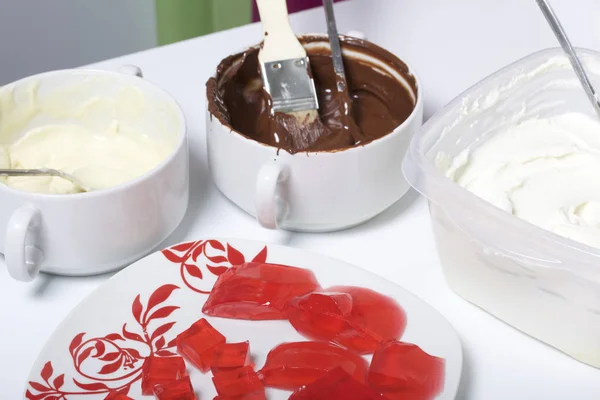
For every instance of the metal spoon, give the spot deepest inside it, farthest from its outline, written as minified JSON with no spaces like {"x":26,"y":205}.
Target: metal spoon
{"x":568,"y":49}
{"x":334,"y":42}
{"x":46,"y":172}
{"x":340,"y":75}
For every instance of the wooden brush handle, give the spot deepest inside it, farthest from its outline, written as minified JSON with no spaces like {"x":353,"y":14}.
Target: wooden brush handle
{"x":280,"y":42}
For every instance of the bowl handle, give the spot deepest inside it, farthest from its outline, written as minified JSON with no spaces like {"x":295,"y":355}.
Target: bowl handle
{"x":129,"y":69}
{"x":270,"y":202}
{"x":22,"y":253}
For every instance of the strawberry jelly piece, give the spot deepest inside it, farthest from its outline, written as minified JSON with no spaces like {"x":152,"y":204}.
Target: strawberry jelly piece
{"x":233,"y":372}
{"x":245,"y":384}
{"x":320,"y":315}
{"x":258,"y":291}
{"x":202,"y":325}
{"x":336,"y":385}
{"x":374,"y":318}
{"x":291,"y":365}
{"x":231,"y":355}
{"x":177,"y":390}
{"x":226,"y":373}
{"x":374,"y":312}
{"x":160,"y":370}
{"x":249,"y":396}
{"x":404,"y":371}
{"x":117,"y":396}
{"x":332,"y":303}
{"x":198,"y":342}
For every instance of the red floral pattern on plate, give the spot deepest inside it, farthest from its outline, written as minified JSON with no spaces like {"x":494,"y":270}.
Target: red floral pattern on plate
{"x":205,"y":259}
{"x":113,"y":363}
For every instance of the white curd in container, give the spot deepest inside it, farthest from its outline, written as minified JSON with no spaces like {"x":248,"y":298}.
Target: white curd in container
{"x":545,"y":171}
{"x":511,"y":169}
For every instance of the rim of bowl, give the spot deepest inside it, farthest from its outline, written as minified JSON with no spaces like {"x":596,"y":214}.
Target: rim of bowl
{"x":181,"y":141}
{"x":382,"y":139}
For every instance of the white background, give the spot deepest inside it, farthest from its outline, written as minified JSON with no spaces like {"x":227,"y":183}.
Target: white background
{"x":452,"y":44}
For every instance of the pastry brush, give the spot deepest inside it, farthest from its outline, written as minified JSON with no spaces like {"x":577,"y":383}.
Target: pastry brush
{"x":285,"y":70}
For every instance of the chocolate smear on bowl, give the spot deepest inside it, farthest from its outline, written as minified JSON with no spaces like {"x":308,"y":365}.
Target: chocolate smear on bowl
{"x":378,"y":103}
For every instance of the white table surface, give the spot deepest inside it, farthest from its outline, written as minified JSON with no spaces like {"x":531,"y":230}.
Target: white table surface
{"x":452,"y":45}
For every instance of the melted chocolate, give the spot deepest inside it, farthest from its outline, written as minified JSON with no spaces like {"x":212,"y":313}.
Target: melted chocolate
{"x":373,"y":106}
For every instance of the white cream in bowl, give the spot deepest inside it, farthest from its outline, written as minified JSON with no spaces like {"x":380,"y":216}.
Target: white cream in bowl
{"x":94,"y":137}
{"x":545,"y":171}
{"x":108,"y":128}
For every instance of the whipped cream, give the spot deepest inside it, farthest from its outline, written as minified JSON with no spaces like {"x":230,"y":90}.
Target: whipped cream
{"x":94,"y":138}
{"x":544,"y":171}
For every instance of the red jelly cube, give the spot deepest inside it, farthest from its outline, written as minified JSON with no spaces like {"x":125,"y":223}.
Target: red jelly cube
{"x":229,"y":374}
{"x":198,"y":342}
{"x":249,"y":396}
{"x":320,"y":315}
{"x":336,"y":385}
{"x":160,"y":370}
{"x":332,"y":303}
{"x":357,"y":318}
{"x":231,"y":355}
{"x":404,"y":371}
{"x":117,"y":396}
{"x":257,"y":291}
{"x":245,"y":384}
{"x":232,"y":373}
{"x":226,"y":372}
{"x":291,"y":365}
{"x":177,"y":390}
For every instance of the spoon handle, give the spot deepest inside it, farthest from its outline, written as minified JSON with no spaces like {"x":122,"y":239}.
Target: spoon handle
{"x":568,"y":49}
{"x":334,"y":43}
{"x":45,"y":172}
{"x":29,"y":172}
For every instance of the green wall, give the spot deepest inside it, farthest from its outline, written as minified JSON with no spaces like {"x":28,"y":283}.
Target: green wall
{"x":184,"y":19}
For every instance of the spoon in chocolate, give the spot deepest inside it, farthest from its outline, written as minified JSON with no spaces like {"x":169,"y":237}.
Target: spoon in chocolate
{"x":340,"y":75}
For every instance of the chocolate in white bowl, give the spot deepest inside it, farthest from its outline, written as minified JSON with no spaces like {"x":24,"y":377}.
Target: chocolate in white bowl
{"x":324,"y":188}
{"x":102,"y":230}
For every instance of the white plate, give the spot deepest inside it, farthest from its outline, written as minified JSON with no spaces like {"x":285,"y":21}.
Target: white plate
{"x":106,"y":322}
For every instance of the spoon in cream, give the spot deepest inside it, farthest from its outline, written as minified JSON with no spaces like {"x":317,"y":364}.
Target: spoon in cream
{"x":74,"y":178}
{"x":568,"y":49}
{"x":46,"y":172}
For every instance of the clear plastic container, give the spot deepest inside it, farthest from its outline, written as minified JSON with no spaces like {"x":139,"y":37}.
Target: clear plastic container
{"x":541,"y":283}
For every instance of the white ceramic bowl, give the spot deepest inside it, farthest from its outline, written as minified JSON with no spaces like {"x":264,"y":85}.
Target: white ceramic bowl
{"x":314,"y":191}
{"x":99,"y":231}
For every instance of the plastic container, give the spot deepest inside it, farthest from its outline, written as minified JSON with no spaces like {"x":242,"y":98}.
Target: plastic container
{"x":541,"y":283}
